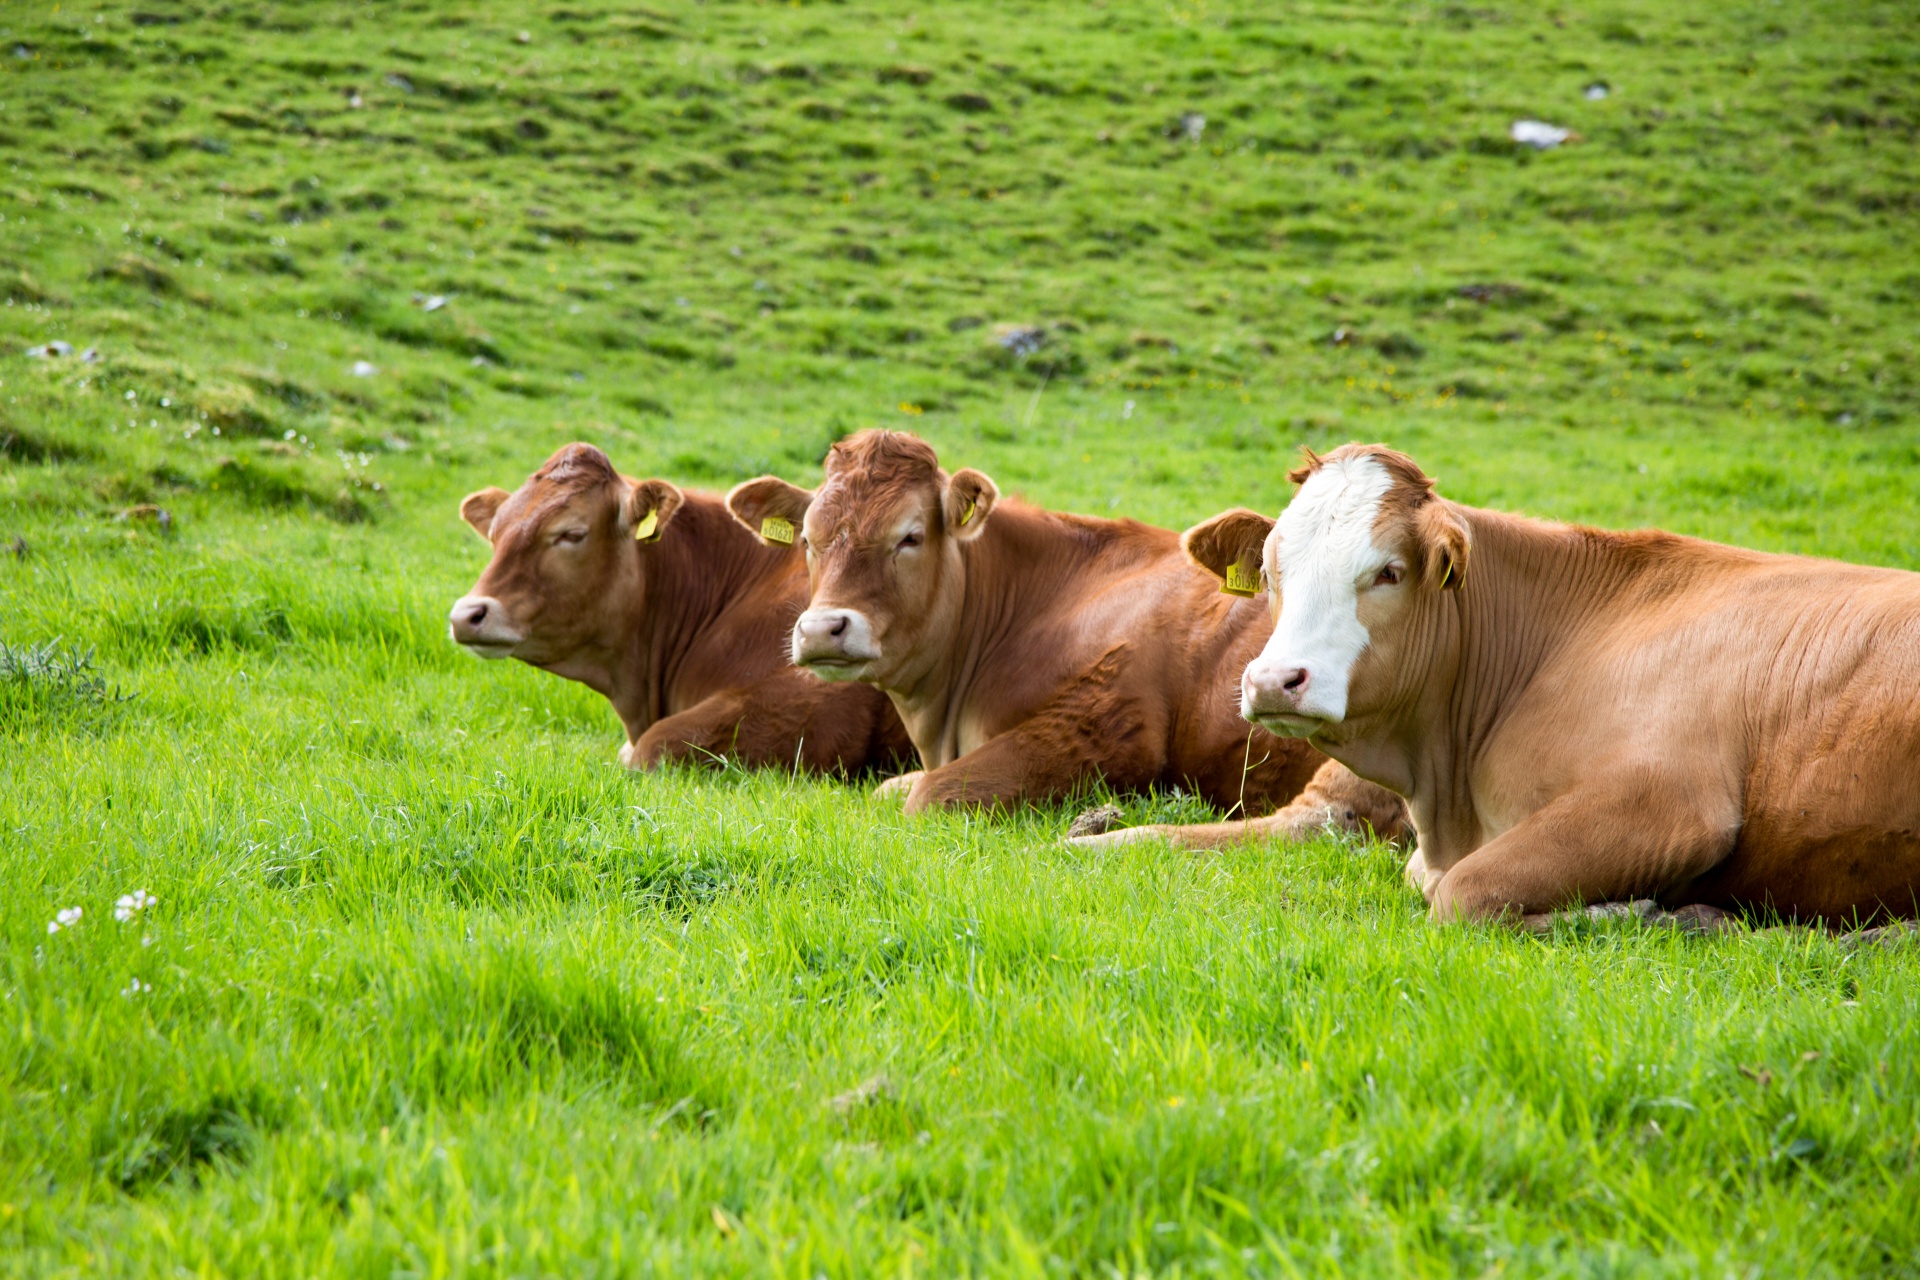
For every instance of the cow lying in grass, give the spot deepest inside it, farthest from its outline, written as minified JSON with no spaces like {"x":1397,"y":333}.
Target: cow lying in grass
{"x":1583,"y":716}
{"x":653,"y":596}
{"x":1029,"y":653}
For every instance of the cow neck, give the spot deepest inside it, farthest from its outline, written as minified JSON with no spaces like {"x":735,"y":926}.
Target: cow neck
{"x":1531,"y":589}
{"x":1024,"y":560}
{"x":696,"y":584}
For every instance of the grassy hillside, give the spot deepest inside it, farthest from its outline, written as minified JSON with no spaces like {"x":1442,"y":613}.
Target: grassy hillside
{"x":431,"y":986}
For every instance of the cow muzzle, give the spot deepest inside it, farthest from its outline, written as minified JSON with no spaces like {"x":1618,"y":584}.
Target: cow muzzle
{"x":480,"y":625}
{"x":834,"y":644}
{"x":1291,"y":699}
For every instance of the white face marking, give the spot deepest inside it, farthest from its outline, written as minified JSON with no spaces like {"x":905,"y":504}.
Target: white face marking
{"x":1319,"y":555}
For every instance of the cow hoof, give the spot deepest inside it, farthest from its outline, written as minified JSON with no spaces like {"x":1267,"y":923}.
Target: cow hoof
{"x":1886,"y":935}
{"x":1544,"y":922}
{"x":1694,"y":918}
{"x":1421,"y":878}
{"x":1698,"y":918}
{"x":1124,"y":836}
{"x":1638,"y":909}
{"x":1096,"y":821}
{"x":630,"y":757}
{"x":898,"y":788}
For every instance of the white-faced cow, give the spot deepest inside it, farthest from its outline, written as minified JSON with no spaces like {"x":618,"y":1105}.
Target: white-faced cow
{"x":1028,"y":652}
{"x":1578,"y":715}
{"x":653,"y":596}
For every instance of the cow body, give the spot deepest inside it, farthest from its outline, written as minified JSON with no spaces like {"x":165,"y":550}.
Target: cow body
{"x":1579,"y":715}
{"x":656,"y":598}
{"x":1028,"y":653}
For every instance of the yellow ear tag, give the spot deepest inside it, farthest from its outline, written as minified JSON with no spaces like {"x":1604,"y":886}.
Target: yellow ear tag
{"x":967,"y":514}
{"x":1242,"y":580}
{"x":774,"y":529}
{"x":648,"y":530}
{"x":1446,"y":577}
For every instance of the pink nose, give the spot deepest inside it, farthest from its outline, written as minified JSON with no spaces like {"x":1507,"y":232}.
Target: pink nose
{"x":467,"y":618}
{"x":481,"y":621}
{"x":1266,"y":696}
{"x":826,"y":624}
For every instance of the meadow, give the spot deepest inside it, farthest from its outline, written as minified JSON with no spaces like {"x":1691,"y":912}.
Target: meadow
{"x":428,"y":986}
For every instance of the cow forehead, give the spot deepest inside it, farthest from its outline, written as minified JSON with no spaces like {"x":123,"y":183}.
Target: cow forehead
{"x":540,"y":500}
{"x":866,"y":507}
{"x":1330,"y":520}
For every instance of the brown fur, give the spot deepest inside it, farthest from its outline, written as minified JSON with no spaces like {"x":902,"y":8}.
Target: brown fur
{"x":1597,"y":716}
{"x":685,"y":633}
{"x":1030,"y":652}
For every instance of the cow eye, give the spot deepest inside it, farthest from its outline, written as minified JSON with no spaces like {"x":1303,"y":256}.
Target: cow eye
{"x":911,"y":540}
{"x":1388,"y":575}
{"x":571,"y":537}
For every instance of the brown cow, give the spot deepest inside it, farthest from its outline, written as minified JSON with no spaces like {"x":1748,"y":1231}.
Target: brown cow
{"x":1028,"y":652}
{"x":1577,"y":715}
{"x":653,"y":596}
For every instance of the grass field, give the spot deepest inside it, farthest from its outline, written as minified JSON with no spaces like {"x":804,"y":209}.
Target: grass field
{"x":432,"y":987}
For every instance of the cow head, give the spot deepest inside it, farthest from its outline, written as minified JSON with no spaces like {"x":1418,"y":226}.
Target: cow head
{"x":1364,"y":547}
{"x":883,"y":537}
{"x":564,"y":556}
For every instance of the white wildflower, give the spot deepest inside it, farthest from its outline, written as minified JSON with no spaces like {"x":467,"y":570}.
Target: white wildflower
{"x":136,"y":987}
{"x":129,"y":905}
{"x":65,"y":918}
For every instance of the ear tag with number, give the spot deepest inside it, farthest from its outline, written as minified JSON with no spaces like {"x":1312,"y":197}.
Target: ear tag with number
{"x":648,"y":530}
{"x":774,"y":529}
{"x":966,"y":515}
{"x":1242,"y":580}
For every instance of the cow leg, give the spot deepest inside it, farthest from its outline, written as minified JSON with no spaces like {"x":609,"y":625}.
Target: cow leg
{"x":1611,"y":840}
{"x":705,"y":733}
{"x":1335,"y":800}
{"x":1042,"y":758}
{"x":1016,"y":767}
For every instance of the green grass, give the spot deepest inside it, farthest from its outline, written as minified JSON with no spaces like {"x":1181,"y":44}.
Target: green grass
{"x":432,"y":987}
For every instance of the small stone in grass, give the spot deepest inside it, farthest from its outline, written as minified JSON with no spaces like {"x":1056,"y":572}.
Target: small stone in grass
{"x":868,"y":1091}
{"x":1540,"y":135}
{"x":148,"y":511}
{"x":1188,"y":127}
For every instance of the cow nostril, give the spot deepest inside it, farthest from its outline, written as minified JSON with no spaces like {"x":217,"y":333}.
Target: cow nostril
{"x":839,"y":627}
{"x":1296,"y":680}
{"x":476,"y":615}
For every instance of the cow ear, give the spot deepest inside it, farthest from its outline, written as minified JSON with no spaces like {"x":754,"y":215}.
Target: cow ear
{"x":1228,"y":547}
{"x":478,"y":510}
{"x":1310,"y":462}
{"x":969,"y":500}
{"x":650,"y":504}
{"x":771,"y":507}
{"x":1444,"y":542}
